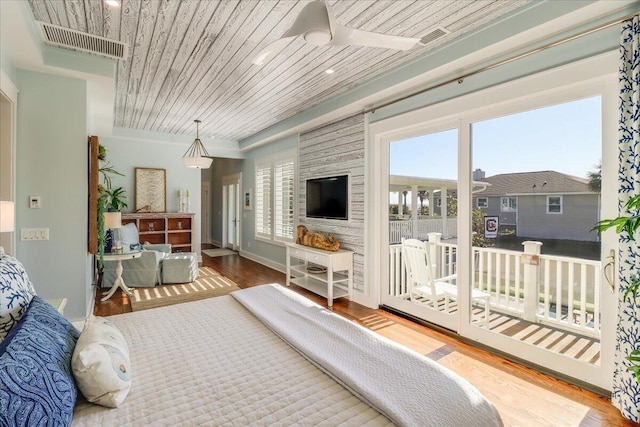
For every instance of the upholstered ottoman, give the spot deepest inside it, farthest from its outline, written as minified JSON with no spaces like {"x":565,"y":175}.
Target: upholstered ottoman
{"x":180,"y":267}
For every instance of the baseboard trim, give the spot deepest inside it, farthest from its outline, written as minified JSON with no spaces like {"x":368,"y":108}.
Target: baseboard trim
{"x":264,"y":261}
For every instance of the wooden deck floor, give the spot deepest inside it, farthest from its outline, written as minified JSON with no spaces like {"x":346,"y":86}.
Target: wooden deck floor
{"x":568,"y":343}
{"x":523,"y":396}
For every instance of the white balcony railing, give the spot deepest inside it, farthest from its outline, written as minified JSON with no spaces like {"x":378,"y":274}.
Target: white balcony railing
{"x":558,"y":291}
{"x":399,"y":229}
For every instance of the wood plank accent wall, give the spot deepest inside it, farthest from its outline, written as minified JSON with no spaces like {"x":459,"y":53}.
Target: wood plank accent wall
{"x":337,"y":149}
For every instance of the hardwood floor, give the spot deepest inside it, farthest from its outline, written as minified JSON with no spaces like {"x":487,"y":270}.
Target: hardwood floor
{"x":523,"y":396}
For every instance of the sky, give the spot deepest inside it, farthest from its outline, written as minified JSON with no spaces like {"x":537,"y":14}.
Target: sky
{"x":565,"y":138}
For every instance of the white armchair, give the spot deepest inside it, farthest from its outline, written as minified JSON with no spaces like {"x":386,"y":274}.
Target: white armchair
{"x":139,"y":272}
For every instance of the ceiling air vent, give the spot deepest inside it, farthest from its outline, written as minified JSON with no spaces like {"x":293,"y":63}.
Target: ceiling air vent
{"x":55,"y":35}
{"x":433,"y":35}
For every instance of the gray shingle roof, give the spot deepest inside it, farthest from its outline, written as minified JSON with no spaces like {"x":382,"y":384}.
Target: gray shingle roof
{"x":541,"y":182}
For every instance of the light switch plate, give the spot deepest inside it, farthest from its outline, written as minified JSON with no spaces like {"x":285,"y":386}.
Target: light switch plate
{"x":31,"y":234}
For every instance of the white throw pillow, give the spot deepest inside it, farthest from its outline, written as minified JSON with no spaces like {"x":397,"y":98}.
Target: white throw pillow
{"x":129,"y":234}
{"x":16,"y":292}
{"x":101,"y":364}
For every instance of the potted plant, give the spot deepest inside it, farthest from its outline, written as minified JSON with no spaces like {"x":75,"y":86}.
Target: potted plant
{"x":116,"y":199}
{"x":628,"y":223}
{"x":102,"y":236}
{"x":109,"y":200}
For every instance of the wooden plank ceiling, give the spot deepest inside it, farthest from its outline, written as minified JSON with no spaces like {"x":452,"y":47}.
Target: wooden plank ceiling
{"x":192,"y":59}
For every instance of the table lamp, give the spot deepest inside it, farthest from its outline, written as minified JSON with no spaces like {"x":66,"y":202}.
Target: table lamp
{"x":7,"y":219}
{"x":113,"y":221}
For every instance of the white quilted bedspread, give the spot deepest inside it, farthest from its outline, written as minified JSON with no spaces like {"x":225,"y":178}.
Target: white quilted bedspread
{"x":407,"y":387}
{"x":211,"y":362}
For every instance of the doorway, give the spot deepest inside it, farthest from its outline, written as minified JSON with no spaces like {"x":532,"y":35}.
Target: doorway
{"x":205,"y":217}
{"x":231,"y":208}
{"x":7,"y":154}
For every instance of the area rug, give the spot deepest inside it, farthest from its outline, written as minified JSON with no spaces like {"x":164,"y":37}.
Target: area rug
{"x":209,"y":284}
{"x":218,"y":252}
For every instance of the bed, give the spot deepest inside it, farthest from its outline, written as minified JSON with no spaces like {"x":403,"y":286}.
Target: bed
{"x":268,"y":356}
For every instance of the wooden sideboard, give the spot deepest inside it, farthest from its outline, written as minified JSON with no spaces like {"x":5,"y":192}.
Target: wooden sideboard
{"x":175,"y":228}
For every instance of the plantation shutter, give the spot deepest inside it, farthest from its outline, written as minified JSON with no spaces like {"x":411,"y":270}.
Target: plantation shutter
{"x":263,"y":200}
{"x":284,"y":176}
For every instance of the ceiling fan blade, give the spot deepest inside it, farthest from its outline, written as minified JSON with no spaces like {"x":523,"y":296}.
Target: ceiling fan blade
{"x":345,"y":36}
{"x":271,"y":50}
{"x":314,"y":16}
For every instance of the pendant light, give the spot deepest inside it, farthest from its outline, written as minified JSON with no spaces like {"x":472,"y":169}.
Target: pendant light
{"x":197,"y":156}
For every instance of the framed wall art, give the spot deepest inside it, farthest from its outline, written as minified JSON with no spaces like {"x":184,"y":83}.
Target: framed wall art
{"x":151,"y":190}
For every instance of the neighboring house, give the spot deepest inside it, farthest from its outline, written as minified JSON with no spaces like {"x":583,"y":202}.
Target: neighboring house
{"x":541,"y":205}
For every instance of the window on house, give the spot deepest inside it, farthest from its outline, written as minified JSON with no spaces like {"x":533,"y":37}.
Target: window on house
{"x":482,"y":202}
{"x":275,"y":197}
{"x":508,"y":204}
{"x":554,"y":204}
{"x":439,"y":202}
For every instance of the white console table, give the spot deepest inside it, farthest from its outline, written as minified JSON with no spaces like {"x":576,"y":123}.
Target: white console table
{"x":335,"y":282}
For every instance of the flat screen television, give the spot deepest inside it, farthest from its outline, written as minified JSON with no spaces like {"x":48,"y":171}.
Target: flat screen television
{"x":328,"y":197}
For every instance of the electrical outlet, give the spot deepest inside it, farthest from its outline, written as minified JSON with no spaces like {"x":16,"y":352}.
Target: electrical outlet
{"x":31,"y":234}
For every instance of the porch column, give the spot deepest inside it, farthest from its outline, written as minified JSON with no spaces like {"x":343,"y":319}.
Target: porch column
{"x":431,"y":205}
{"x":414,"y":211}
{"x":443,"y":211}
{"x":400,"y":203}
{"x":531,"y":261}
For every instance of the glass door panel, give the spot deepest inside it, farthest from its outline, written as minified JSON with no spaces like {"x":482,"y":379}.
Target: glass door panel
{"x":423,"y":205}
{"x":537,"y":195}
{"x":231,"y":215}
{"x":231,"y":212}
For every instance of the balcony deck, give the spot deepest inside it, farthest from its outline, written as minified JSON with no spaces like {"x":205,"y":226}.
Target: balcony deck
{"x":576,"y":346}
{"x":558,"y":340}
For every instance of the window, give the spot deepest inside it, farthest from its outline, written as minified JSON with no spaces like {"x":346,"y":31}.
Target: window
{"x":275,"y":197}
{"x":438,"y":202}
{"x":482,"y":202}
{"x":554,"y":204}
{"x":508,"y":204}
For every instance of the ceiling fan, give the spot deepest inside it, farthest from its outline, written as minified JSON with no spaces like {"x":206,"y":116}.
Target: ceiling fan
{"x":317,"y":26}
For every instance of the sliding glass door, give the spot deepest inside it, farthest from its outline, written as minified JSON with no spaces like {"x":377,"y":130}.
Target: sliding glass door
{"x":504,"y":192}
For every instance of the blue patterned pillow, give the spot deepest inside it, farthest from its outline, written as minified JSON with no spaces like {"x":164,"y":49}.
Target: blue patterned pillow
{"x":36,"y":383}
{"x":16,"y":292}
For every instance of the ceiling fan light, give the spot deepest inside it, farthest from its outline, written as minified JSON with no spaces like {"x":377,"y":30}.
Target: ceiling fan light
{"x":317,"y":37}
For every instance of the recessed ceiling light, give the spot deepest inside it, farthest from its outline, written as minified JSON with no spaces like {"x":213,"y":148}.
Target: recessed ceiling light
{"x":112,"y":3}
{"x":329,"y":71}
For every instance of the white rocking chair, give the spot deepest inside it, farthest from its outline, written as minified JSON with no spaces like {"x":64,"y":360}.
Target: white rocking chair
{"x":422,"y":282}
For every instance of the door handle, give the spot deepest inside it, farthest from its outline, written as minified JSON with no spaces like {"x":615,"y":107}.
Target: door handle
{"x":610,"y":277}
